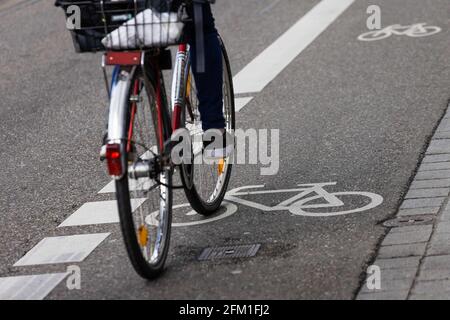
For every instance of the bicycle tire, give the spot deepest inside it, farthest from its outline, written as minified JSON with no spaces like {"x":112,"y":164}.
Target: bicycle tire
{"x":142,"y":265}
{"x":197,"y":202}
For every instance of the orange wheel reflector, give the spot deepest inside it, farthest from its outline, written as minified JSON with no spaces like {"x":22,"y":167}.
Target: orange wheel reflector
{"x":188,"y":85}
{"x":143,"y":236}
{"x":221,"y":166}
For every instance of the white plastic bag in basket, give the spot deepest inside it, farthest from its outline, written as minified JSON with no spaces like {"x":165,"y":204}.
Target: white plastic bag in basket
{"x":153,"y":29}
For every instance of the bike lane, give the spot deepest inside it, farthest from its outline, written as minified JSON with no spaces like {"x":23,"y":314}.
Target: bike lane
{"x":355,"y":113}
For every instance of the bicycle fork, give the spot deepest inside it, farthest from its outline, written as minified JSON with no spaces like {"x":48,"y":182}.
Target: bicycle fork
{"x":179,"y":83}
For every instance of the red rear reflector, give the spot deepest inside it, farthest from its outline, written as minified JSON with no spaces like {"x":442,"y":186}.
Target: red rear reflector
{"x":113,"y":160}
{"x":132,"y":58}
{"x":114,"y":155}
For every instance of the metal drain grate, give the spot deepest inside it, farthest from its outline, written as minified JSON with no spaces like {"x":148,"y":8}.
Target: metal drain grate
{"x":241,"y":251}
{"x":409,"y":221}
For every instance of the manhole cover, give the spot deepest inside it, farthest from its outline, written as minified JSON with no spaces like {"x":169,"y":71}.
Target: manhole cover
{"x":409,"y":221}
{"x":241,"y":251}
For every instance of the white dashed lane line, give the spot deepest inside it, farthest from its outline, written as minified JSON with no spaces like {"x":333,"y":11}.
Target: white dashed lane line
{"x":35,"y":287}
{"x":99,"y":212}
{"x":141,"y":184}
{"x":65,"y":249}
{"x":240,"y":103}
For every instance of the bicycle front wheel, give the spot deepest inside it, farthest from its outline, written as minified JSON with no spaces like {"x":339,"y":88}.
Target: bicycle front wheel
{"x":145,"y":204}
{"x":206,"y":182}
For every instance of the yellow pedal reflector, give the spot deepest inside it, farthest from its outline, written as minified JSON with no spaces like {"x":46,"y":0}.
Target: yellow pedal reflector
{"x":221,"y":166}
{"x":143,"y":236}
{"x":188,"y":86}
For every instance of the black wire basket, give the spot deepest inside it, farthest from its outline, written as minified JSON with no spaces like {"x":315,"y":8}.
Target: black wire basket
{"x":121,"y":25}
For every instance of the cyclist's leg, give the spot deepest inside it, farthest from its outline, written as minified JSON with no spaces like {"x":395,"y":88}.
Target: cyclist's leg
{"x":209,"y":83}
{"x":209,"y":180}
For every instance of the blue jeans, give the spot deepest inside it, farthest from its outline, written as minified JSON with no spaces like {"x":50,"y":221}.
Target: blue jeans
{"x":208,"y":83}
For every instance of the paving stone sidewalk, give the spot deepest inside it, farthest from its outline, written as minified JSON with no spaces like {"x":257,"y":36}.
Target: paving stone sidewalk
{"x":414,"y":257}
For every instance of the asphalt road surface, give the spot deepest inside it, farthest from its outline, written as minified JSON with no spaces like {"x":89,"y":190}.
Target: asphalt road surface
{"x":358,"y":113}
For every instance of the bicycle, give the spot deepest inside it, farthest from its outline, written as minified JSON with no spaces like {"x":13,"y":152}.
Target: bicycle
{"x":141,"y":121}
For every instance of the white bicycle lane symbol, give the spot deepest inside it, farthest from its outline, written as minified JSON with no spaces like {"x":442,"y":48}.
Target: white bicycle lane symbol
{"x":301,"y":203}
{"x":414,"y":30}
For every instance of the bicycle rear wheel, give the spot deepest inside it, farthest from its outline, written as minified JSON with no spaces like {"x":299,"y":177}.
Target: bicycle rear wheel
{"x":205,"y":184}
{"x":145,"y":204}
